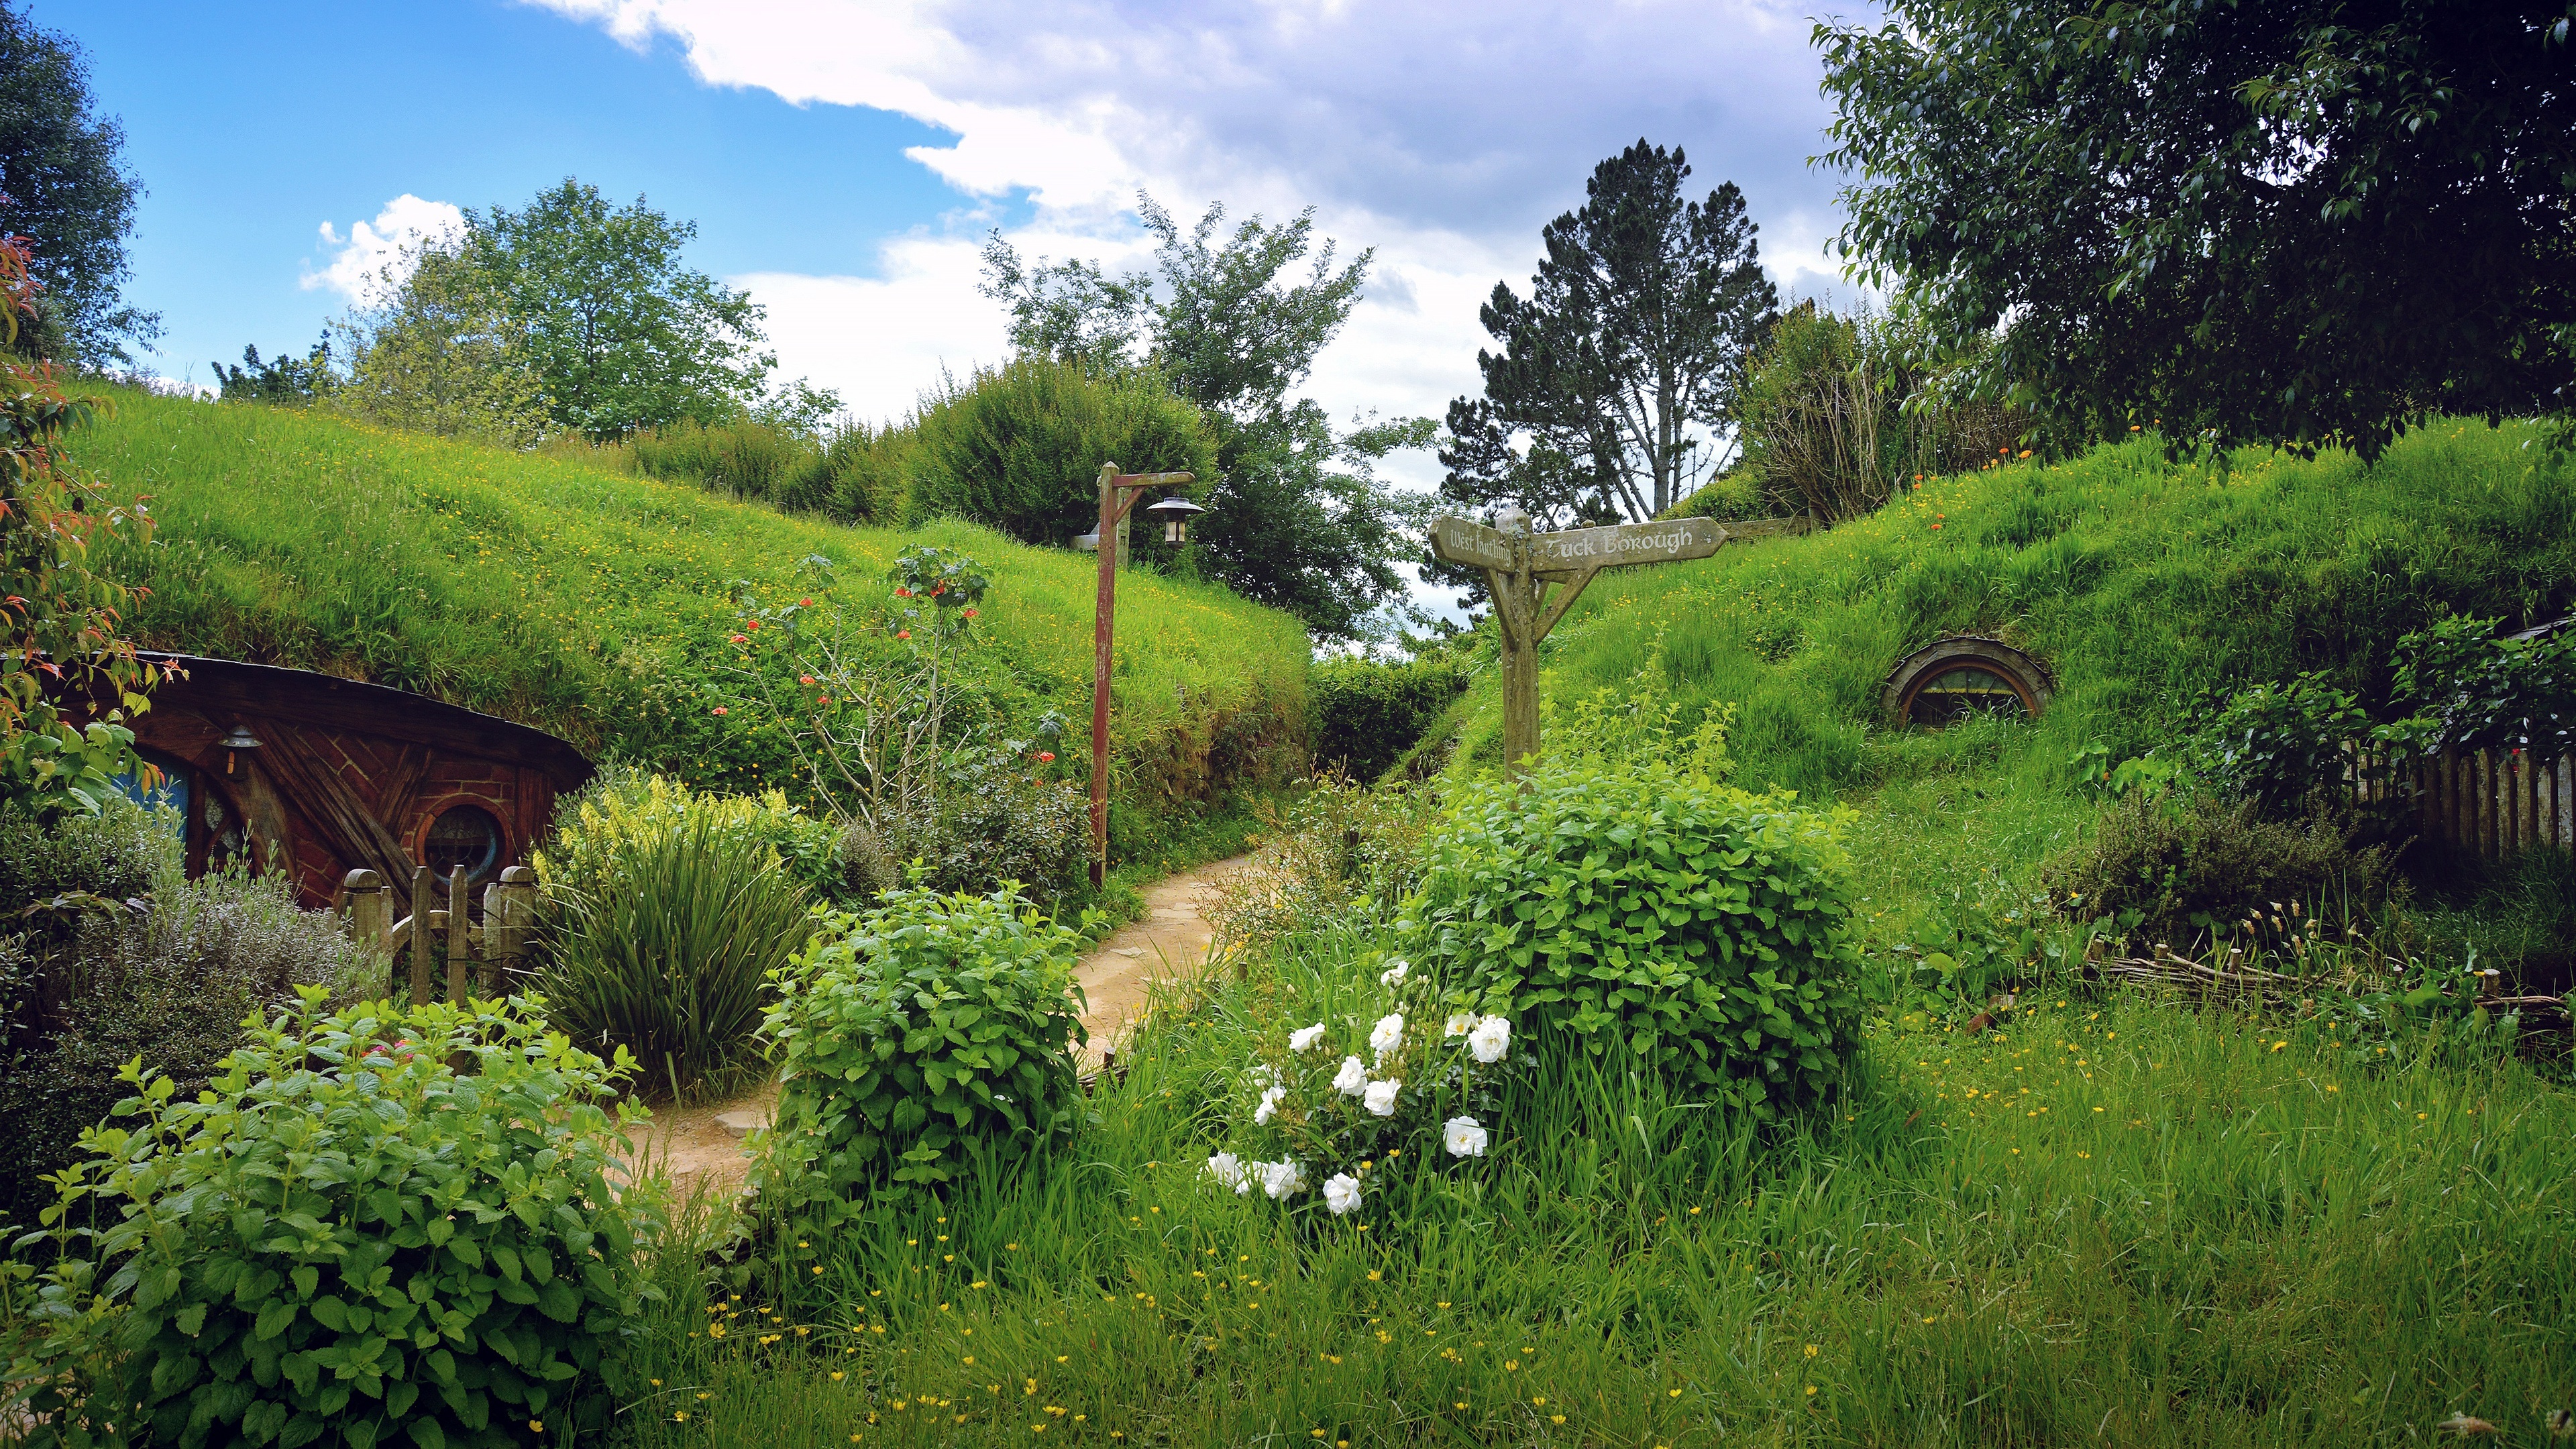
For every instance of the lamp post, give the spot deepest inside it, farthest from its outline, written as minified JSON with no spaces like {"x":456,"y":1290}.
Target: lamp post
{"x":1117,"y":496}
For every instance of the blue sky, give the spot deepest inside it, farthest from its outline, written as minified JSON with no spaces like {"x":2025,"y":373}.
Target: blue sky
{"x":843,"y":160}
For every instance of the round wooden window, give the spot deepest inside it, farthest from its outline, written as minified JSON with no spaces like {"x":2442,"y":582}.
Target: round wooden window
{"x":465,"y":835}
{"x":1953,"y":679}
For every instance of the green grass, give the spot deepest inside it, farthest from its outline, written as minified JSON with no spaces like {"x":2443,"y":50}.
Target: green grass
{"x":591,"y":604}
{"x":2116,"y":1221}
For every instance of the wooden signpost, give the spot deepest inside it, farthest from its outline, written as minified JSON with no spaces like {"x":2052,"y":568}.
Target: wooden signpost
{"x":1536,"y":577}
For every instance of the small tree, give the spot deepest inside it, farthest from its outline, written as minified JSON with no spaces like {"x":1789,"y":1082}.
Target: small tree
{"x":68,"y":673}
{"x":444,"y":353}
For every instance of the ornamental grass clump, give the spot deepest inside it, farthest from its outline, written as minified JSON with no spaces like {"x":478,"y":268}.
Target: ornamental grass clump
{"x":919,"y":1042}
{"x":1645,"y":910}
{"x":1391,"y":1067}
{"x":347,"y":1240}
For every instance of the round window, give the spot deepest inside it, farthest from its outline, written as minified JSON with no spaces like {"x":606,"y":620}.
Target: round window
{"x":465,"y":835}
{"x":1953,"y":679}
{"x":1956,"y":693}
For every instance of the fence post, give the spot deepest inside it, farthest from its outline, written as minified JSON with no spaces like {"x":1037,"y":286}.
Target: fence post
{"x":420,"y":947}
{"x":459,"y":921}
{"x":509,"y":907}
{"x":369,"y":922}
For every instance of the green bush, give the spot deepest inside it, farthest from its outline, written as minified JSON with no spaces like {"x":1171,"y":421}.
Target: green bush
{"x":857,"y":477}
{"x":1367,"y":714}
{"x":918,"y":1042}
{"x":749,"y":458}
{"x":350,"y":1240}
{"x":997,"y":818}
{"x":2284,"y":747}
{"x":2184,"y":867}
{"x":87,"y":988}
{"x":1644,"y":910}
{"x":1342,"y":855}
{"x":660,"y":915}
{"x":1020,"y":448}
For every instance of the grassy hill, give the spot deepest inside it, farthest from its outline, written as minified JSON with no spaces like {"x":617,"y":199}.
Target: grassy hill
{"x":594,"y":605}
{"x":2141,"y":582}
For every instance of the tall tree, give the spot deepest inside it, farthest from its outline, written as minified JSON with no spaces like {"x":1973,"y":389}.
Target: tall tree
{"x":620,"y":334}
{"x":442,"y":352}
{"x":1298,"y":517}
{"x":2288,"y":220}
{"x":64,"y":187}
{"x":1621,"y":365}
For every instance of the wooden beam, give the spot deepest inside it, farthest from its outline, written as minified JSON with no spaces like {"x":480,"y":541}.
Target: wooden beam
{"x":1566,"y":594}
{"x":348,"y":827}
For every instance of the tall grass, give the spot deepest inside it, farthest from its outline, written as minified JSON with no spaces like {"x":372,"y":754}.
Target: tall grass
{"x":2114,"y":1221}
{"x":663,"y":947}
{"x":563,"y":594}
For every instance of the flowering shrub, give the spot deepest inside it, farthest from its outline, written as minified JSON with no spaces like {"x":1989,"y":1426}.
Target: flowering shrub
{"x":1649,"y":910}
{"x":930,"y":1035}
{"x":1335,"y":1098}
{"x":348,"y":1240}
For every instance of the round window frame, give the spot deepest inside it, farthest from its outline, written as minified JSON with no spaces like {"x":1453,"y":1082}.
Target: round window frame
{"x":437,"y":811}
{"x":2029,"y":679}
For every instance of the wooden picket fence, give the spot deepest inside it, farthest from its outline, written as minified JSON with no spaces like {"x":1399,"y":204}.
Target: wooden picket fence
{"x":476,"y":957}
{"x":2487,"y":803}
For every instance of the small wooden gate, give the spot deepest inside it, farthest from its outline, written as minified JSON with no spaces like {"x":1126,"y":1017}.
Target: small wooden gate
{"x":477,"y":955}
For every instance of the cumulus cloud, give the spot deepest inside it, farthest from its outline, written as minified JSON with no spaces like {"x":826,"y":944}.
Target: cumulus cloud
{"x":1442,"y":136}
{"x":358,"y":262}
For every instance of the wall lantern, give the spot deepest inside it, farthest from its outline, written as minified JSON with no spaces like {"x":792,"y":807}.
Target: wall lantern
{"x":239,"y":739}
{"x":1175,"y":513}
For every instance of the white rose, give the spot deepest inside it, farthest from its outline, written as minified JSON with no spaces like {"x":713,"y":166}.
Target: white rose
{"x":1269,"y":1107}
{"x":1458,"y":1024}
{"x":1281,"y":1178}
{"x":1227,"y":1169}
{"x":1341,"y":1193}
{"x":1380,"y":1096}
{"x":1491,"y":1038}
{"x":1393,"y":975}
{"x":1463,"y":1137}
{"x":1387,"y":1034}
{"x":1305,"y":1037}
{"x":1352,"y":1079}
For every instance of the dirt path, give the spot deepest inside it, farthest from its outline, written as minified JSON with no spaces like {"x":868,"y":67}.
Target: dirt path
{"x":702,"y":1147}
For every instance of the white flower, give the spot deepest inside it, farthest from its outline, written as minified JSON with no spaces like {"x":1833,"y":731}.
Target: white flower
{"x":1269,"y":1108}
{"x":1491,"y":1038}
{"x":1227,"y":1169}
{"x":1380,"y":1096}
{"x":1341,"y":1193}
{"x":1458,"y":1024}
{"x":1463,"y":1137}
{"x":1352,"y":1079}
{"x":1393,"y":975}
{"x":1303,"y":1038}
{"x":1387,"y":1034}
{"x":1281,"y":1178}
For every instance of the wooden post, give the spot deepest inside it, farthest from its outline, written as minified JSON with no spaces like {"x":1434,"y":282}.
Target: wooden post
{"x":509,"y":908}
{"x":1117,"y":497}
{"x":420,"y":947}
{"x":460,"y":921}
{"x":370,"y":920}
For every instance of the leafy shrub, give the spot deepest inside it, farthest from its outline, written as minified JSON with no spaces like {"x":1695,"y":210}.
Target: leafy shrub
{"x":857,"y":477}
{"x":2283,"y":746}
{"x":1649,"y":911}
{"x":1020,"y":448}
{"x":2481,"y":692}
{"x":1367,"y":714}
{"x":596,"y":830}
{"x":661,"y":946}
{"x":350,"y":1238}
{"x":996,"y":818}
{"x":751,"y":458}
{"x":2184,"y":866}
{"x":88,"y":988}
{"x":1388,"y":1065}
{"x":919,"y":1041}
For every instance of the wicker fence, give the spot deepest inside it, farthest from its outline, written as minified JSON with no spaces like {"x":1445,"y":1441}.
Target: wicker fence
{"x":2487,"y":803}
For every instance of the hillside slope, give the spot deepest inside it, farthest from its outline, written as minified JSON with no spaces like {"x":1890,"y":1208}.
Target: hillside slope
{"x":595,"y":605}
{"x":2139,"y":581}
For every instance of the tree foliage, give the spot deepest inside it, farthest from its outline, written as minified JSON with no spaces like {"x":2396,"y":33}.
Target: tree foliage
{"x":445,"y":352}
{"x":284,"y":379}
{"x":2285,"y":221}
{"x":618,"y":332}
{"x":68,"y":673}
{"x":1624,"y":357}
{"x":1298,"y":518}
{"x":69,"y":194}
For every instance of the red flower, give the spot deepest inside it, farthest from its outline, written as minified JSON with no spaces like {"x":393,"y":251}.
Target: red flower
{"x":754,"y":624}
{"x":804,"y":679}
{"x":970,"y":613}
{"x":720,"y":709}
{"x":739,"y":639}
{"x":903,"y":593}
{"x":805,"y":603}
{"x":904,"y":634}
{"x":1046,"y":757}
{"x":826,"y":699}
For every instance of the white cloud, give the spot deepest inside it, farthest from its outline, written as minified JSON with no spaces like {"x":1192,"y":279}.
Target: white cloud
{"x":1441,"y":135}
{"x":357,"y":269}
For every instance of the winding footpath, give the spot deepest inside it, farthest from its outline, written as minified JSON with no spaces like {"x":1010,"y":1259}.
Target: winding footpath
{"x":702,"y":1147}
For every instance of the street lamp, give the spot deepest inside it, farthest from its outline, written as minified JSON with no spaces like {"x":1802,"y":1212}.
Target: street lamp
{"x":1117,"y":495}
